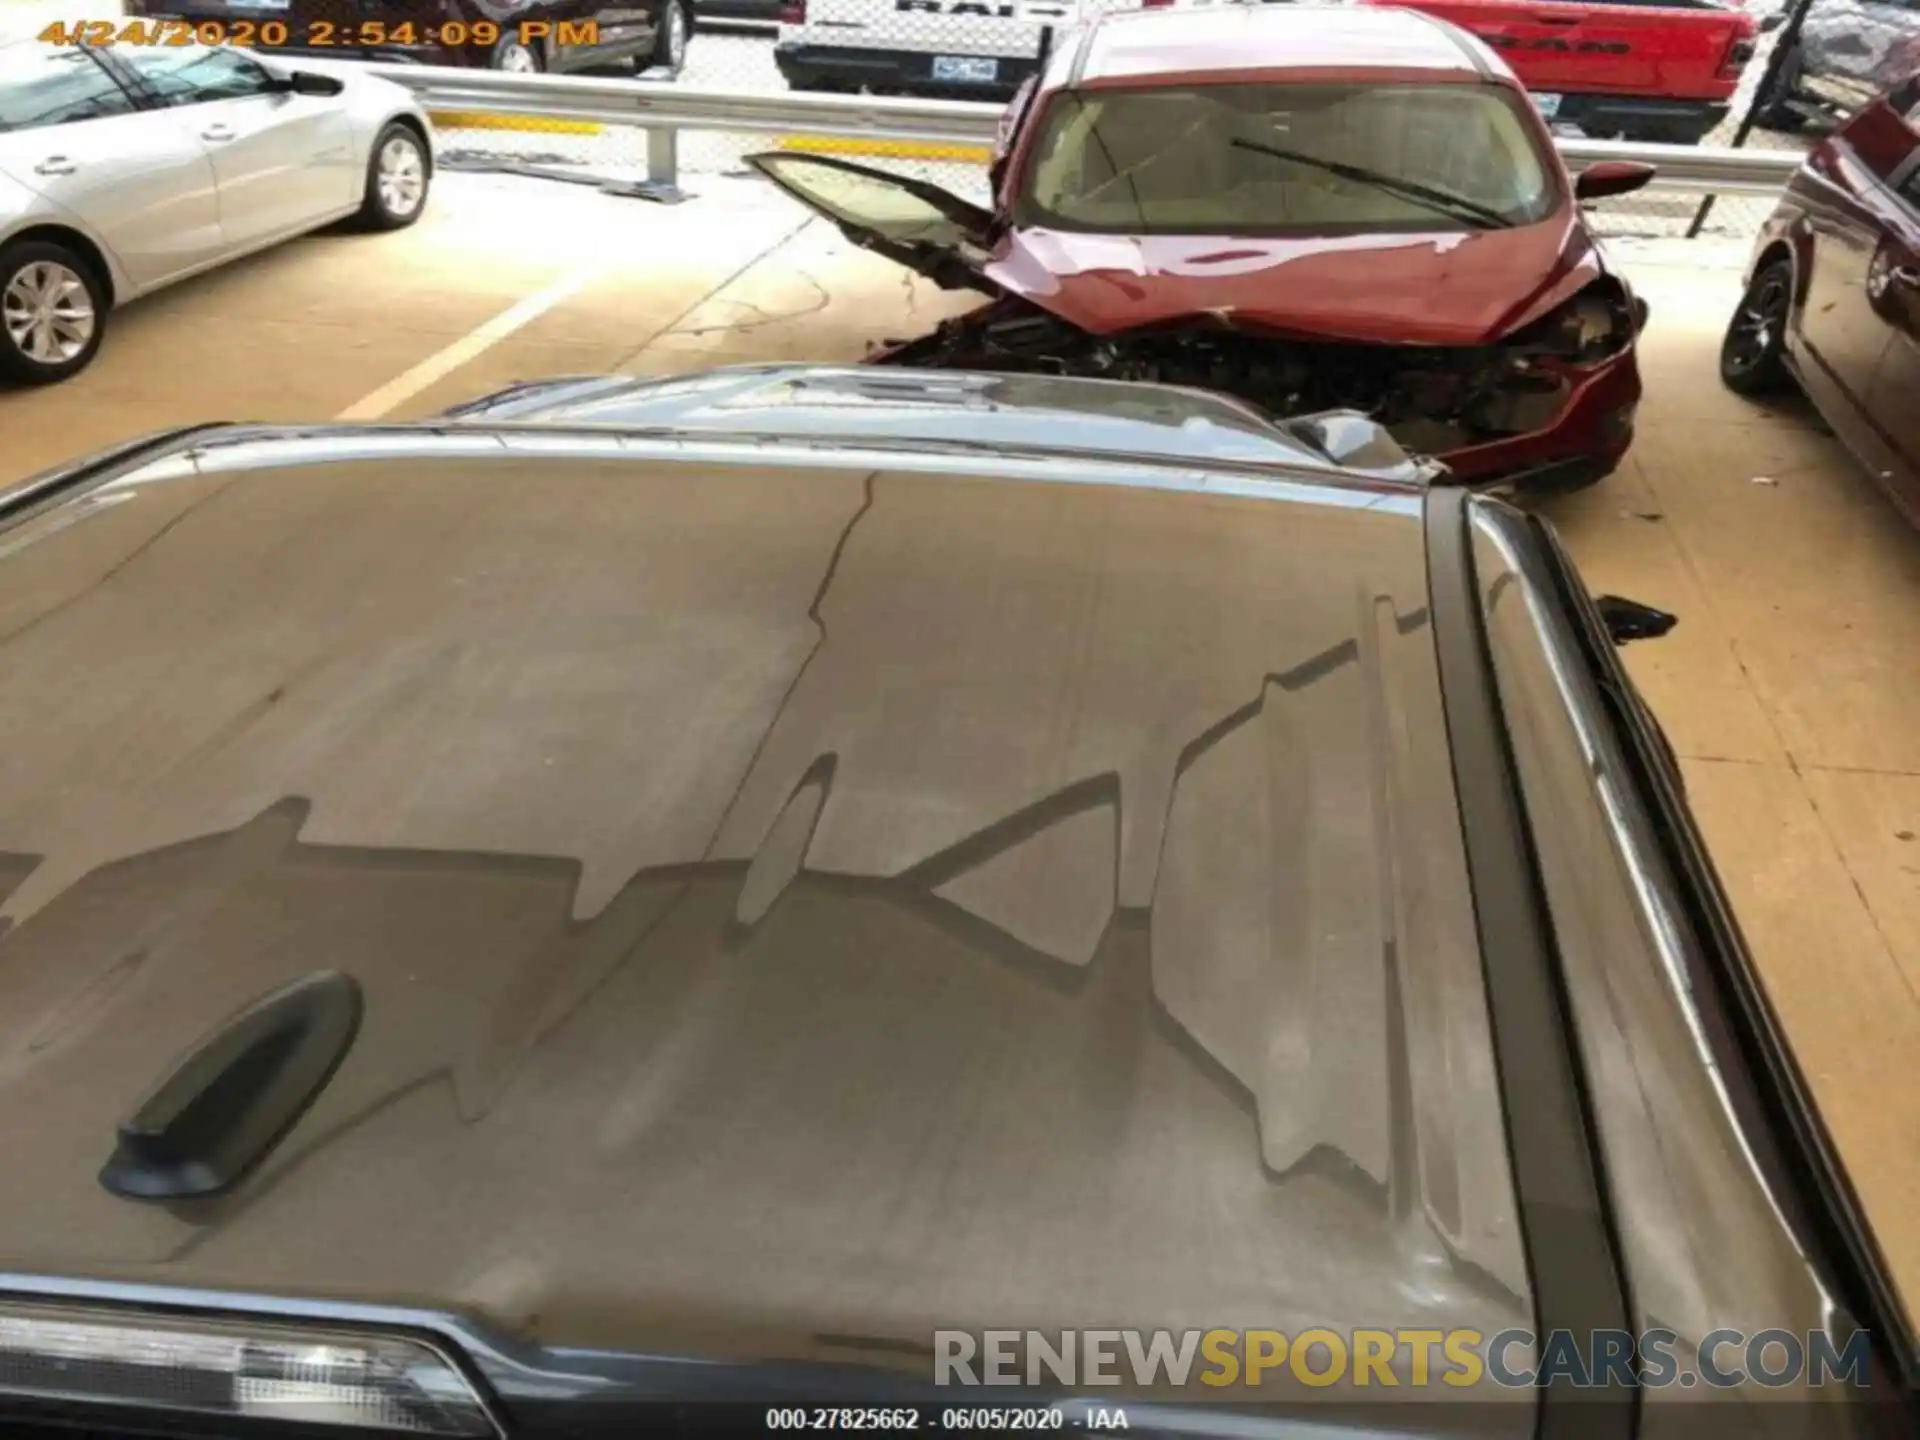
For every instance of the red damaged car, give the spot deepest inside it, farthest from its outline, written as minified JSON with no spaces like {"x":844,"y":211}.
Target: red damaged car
{"x":1310,"y":209}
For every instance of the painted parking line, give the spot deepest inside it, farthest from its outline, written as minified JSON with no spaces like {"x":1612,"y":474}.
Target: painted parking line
{"x":892,"y":149}
{"x":380,"y":403}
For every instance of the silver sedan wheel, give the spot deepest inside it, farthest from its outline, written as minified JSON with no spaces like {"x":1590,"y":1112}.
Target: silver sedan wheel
{"x":401,"y":176}
{"x":47,"y":312}
{"x":517,"y":59}
{"x":676,"y":37}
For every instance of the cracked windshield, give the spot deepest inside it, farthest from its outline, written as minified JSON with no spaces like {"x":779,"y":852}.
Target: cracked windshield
{"x":1278,"y":159}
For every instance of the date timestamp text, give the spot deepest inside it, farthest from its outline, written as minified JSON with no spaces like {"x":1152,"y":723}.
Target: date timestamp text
{"x":318,"y":34}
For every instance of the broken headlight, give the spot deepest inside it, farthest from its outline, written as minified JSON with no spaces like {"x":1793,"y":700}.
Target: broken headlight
{"x":1594,"y":325}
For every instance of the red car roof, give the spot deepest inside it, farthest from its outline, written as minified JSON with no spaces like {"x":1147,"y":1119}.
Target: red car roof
{"x":1155,"y":45}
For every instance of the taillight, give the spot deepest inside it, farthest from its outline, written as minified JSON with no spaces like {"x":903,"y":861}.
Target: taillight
{"x":1157,"y":4}
{"x":1736,"y":58}
{"x":793,"y":12}
{"x":235,"y":1370}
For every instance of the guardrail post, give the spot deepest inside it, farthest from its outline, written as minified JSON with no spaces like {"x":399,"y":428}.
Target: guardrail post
{"x":1769,"y":77}
{"x":663,"y":155}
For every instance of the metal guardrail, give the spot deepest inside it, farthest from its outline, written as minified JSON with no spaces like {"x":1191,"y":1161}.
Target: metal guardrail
{"x":663,"y":111}
{"x":1693,"y":169}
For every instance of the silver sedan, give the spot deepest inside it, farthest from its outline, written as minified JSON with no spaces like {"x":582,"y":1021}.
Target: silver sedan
{"x":126,"y":169}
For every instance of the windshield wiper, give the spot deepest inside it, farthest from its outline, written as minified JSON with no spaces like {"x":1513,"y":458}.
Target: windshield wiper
{"x":1456,"y":207}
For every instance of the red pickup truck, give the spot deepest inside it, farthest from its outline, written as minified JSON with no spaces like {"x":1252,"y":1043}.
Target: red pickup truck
{"x":1662,"y":72}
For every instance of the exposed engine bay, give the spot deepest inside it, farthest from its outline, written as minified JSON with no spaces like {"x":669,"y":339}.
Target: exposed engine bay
{"x":1432,"y":399}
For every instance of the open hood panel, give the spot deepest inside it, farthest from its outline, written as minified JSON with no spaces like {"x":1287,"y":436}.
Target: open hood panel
{"x":914,"y":224}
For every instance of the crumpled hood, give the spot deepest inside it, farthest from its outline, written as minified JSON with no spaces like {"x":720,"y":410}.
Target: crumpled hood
{"x":1453,"y":288}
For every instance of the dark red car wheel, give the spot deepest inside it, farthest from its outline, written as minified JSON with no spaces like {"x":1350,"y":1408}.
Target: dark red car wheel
{"x":1752,"y":357}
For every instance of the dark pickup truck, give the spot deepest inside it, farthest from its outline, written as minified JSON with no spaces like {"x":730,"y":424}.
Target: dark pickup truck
{"x":1844,"y":56}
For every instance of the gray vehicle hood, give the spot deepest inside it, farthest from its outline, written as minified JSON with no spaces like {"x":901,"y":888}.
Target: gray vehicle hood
{"x":802,"y":901}
{"x":924,"y":409}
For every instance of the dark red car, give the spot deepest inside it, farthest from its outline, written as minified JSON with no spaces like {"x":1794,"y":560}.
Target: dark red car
{"x":1833,"y":292}
{"x":1310,"y":209}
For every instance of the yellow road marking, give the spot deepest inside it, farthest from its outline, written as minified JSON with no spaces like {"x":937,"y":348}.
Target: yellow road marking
{"x":896,"y":149}
{"x":540,"y":124}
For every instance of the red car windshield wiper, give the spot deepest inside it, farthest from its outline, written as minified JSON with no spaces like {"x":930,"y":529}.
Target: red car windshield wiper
{"x":1456,"y":207}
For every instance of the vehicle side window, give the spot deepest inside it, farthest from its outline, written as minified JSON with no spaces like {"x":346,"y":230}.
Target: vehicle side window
{"x":41,"y":85}
{"x":189,"y":75}
{"x":1904,"y":100}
